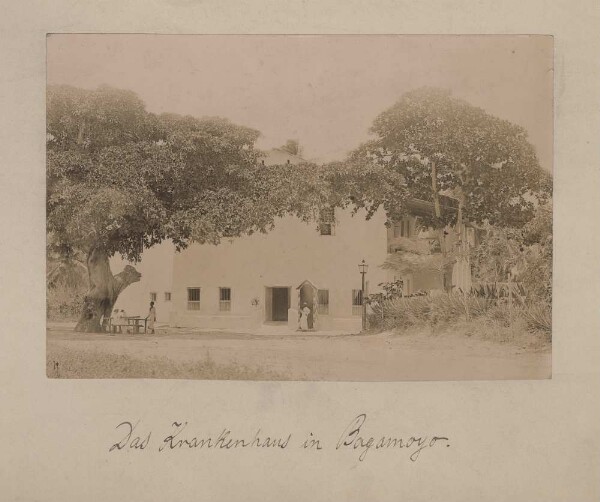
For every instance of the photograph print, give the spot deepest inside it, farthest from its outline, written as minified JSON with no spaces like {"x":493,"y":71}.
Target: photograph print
{"x":294,"y":207}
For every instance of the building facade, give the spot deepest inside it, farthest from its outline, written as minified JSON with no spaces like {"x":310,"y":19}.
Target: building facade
{"x":249,"y":281}
{"x":266,"y":278}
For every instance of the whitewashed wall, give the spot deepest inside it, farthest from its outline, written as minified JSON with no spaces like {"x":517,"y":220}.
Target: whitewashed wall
{"x":292,"y":253}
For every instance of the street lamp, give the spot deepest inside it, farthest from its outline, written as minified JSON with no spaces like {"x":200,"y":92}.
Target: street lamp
{"x":363,"y":267}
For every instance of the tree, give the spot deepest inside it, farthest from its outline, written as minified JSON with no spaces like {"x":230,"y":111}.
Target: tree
{"x":64,"y":267}
{"x":120,"y":180}
{"x":440,"y":145}
{"x":537,"y":237}
{"x":363,"y":184}
{"x":523,"y":255}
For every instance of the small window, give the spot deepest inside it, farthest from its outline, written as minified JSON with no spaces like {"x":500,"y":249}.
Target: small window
{"x":326,"y":221}
{"x":357,"y":302}
{"x":323,"y":301}
{"x":325,"y":229}
{"x":193,"y":299}
{"x":152,"y":297}
{"x":225,"y":299}
{"x":167,"y":296}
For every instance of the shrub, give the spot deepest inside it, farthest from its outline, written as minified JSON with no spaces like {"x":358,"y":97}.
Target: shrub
{"x":502,"y":314}
{"x":493,"y":319}
{"x":432,"y":310}
{"x":64,"y":303}
{"x":538,"y":317}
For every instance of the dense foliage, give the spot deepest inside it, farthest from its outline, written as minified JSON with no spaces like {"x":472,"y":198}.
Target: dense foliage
{"x":523,"y":256}
{"x":484,"y":162}
{"x":124,"y":179}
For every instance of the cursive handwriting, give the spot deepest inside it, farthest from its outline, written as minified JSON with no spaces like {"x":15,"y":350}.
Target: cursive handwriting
{"x":353,"y":438}
{"x":223,"y":441}
{"x":136,"y":442}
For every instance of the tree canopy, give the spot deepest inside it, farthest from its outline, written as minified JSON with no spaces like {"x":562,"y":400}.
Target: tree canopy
{"x":485,"y":162}
{"x":124,"y":179}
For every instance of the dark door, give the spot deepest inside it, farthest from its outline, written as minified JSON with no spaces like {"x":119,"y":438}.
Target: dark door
{"x":281,"y":303}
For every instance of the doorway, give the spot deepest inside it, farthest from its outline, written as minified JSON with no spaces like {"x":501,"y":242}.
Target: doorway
{"x":277,"y":303}
{"x":307,"y":297}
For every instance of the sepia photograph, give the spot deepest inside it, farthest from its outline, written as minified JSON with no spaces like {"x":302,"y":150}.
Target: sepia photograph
{"x":363,"y":208}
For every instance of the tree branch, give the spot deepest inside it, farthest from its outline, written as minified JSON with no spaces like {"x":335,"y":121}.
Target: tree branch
{"x":128,"y":276}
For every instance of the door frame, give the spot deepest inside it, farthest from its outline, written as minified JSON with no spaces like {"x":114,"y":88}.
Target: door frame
{"x":269,"y":298}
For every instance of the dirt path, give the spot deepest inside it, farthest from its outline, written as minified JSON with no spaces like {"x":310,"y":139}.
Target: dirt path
{"x":381,"y":357}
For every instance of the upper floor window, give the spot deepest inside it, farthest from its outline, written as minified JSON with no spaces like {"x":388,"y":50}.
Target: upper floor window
{"x":167,"y":296}
{"x":327,"y":221}
{"x":225,"y":299}
{"x":193,"y":299}
{"x":152,"y":297}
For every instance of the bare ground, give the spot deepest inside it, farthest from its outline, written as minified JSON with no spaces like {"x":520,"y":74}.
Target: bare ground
{"x":320,"y":356}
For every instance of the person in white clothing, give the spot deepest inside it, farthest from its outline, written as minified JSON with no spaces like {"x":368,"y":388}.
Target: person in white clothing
{"x":151,"y":317}
{"x":304,"y":313}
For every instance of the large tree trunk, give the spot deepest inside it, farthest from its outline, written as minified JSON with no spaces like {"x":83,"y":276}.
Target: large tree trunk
{"x":104,"y":290}
{"x":437,"y":211}
{"x":435,"y":193}
{"x":445,"y":271}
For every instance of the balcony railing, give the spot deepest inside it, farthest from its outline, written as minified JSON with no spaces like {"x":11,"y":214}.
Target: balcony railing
{"x":412,"y":245}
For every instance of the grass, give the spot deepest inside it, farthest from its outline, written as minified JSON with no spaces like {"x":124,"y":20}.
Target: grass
{"x":62,"y":362}
{"x":525,"y":326}
{"x":485,"y":328}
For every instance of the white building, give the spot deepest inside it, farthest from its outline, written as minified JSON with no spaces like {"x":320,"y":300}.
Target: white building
{"x":265,"y":278}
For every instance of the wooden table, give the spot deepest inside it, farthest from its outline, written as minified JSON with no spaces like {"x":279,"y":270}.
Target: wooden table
{"x":136,"y":323}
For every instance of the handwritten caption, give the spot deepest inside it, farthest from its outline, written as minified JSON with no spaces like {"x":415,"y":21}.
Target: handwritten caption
{"x":180,"y":437}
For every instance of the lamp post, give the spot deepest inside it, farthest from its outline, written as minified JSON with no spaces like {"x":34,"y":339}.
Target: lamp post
{"x":363,"y":267}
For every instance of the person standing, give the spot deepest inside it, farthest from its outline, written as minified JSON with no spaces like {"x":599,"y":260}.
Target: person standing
{"x":304,"y":313}
{"x":151,"y":317}
{"x":123,"y":323}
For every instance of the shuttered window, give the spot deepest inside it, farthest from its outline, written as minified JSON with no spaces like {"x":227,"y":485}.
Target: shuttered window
{"x":193,"y":299}
{"x":225,"y":299}
{"x":326,"y":221}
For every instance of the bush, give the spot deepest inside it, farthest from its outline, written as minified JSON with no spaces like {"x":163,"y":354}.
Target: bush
{"x":64,"y":303}
{"x":538,"y":317}
{"x":433,"y":310}
{"x":501,"y":314}
{"x":495,"y":319}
